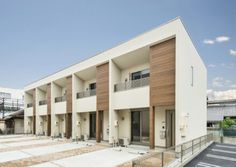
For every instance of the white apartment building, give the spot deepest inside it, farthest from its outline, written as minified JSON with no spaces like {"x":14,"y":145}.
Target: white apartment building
{"x":150,"y":90}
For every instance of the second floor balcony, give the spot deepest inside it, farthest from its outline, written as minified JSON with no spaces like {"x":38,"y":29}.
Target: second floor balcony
{"x":86,"y":93}
{"x":131,"y":84}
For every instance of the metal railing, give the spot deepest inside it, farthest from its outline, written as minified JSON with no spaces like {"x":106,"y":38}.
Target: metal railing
{"x":60,"y":99}
{"x":42,"y":102}
{"x":176,"y":154}
{"x":29,"y":105}
{"x":86,"y":93}
{"x":131,"y":84}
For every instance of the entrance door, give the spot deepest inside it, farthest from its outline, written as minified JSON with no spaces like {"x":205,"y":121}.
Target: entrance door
{"x":140,"y":126}
{"x":170,"y":128}
{"x":135,"y":126}
{"x":92,"y":125}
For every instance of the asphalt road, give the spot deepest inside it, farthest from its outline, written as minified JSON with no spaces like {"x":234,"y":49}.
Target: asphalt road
{"x":216,"y":155}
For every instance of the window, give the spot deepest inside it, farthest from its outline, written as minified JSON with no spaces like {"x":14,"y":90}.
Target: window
{"x":92,"y":86}
{"x":140,"y":74}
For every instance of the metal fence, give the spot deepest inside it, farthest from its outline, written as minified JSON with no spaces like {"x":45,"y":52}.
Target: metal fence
{"x":131,"y":84}
{"x":60,"y":99}
{"x":176,"y":154}
{"x":86,"y":93}
{"x":29,"y":105}
{"x":42,"y":102}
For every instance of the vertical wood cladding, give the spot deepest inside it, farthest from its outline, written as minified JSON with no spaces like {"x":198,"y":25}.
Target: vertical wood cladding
{"x":48,"y":125}
{"x":49,"y":109}
{"x":68,"y":123}
{"x":102,"y":84}
{"x":162,"y":73}
{"x":49,"y":98}
{"x":152,"y":127}
{"x":34,"y":110}
{"x":69,"y":94}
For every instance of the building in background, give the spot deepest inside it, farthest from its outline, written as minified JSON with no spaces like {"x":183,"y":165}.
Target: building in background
{"x":150,"y":90}
{"x":217,"y":110}
{"x":11,"y":101}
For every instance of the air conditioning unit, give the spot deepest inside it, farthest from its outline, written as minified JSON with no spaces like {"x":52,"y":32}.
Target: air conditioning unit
{"x":124,"y":141}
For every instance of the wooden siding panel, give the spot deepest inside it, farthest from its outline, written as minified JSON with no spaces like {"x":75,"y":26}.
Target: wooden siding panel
{"x":49,"y":109}
{"x":162,"y":73}
{"x":49,"y":98}
{"x":69,"y":94}
{"x":102,"y":90}
{"x":34,"y":111}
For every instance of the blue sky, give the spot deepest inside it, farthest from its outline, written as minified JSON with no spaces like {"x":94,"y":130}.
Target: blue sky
{"x":40,"y":37}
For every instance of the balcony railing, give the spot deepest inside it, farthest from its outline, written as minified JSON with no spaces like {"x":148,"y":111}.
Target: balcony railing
{"x":86,"y":93}
{"x":60,"y":99}
{"x":131,"y":84}
{"x":42,"y":102}
{"x":29,"y":105}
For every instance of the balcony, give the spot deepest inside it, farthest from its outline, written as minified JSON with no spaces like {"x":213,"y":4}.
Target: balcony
{"x":42,"y":110}
{"x":60,"y":99}
{"x":42,"y":102}
{"x":131,"y":84}
{"x":29,"y":111}
{"x":86,"y":93}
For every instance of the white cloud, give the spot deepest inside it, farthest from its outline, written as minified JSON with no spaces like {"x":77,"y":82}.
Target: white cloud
{"x":219,"y":82}
{"x":208,"y":41}
{"x":232,"y":52}
{"x":221,"y":95}
{"x":233,"y":86}
{"x":228,"y":65}
{"x":212,"y":65}
{"x":218,"y":39}
{"x":222,"y":39}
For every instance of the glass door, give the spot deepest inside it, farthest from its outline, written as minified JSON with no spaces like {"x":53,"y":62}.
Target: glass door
{"x":135,"y":126}
{"x":92,"y":125}
{"x":140,"y":126}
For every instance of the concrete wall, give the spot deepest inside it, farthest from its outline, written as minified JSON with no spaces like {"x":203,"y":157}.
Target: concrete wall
{"x":19,"y":126}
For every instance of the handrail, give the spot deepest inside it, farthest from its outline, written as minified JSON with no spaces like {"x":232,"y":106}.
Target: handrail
{"x":180,"y":151}
{"x":42,"y":102}
{"x":86,"y":93}
{"x":29,"y":105}
{"x":60,"y":99}
{"x":131,"y":84}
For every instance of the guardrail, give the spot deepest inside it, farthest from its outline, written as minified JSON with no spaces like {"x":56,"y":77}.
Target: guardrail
{"x":29,"y":105}
{"x":60,"y":99}
{"x":174,"y":154}
{"x":42,"y":102}
{"x":86,"y":93}
{"x":131,"y":84}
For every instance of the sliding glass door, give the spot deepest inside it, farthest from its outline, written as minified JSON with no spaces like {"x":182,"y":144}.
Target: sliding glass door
{"x":140,"y":126}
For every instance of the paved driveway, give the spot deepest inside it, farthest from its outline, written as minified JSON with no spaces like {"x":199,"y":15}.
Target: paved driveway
{"x":216,"y":155}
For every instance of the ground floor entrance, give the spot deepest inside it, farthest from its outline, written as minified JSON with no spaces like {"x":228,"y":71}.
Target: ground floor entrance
{"x":170,"y":128}
{"x":92,"y":125}
{"x":140,"y":126}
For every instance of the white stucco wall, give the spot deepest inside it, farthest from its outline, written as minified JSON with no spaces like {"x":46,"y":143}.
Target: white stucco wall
{"x":125,"y":124}
{"x":86,"y":104}
{"x":190,"y":100}
{"x":60,"y":108}
{"x":133,"y":98}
